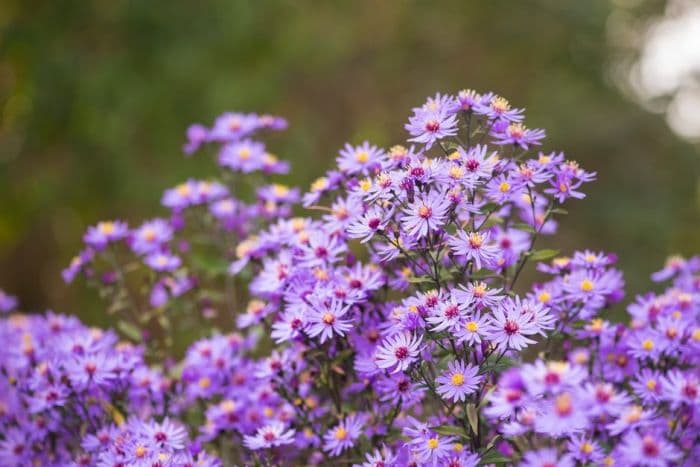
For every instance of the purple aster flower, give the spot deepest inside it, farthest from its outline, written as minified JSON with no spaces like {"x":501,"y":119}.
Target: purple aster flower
{"x":270,"y":435}
{"x":77,"y":264}
{"x":498,"y":108}
{"x":509,"y":328}
{"x":425,"y":214}
{"x":233,"y":126}
{"x":326,"y":319}
{"x":473,"y":246}
{"x":546,"y":457}
{"x":398,"y":352}
{"x":518,"y":135}
{"x":7,"y":302}
{"x":585,"y":450}
{"x":85,"y":370}
{"x":433,"y":448}
{"x":682,"y":388}
{"x":163,"y":261}
{"x":245,"y":156}
{"x":166,"y":434}
{"x":343,"y":436}
{"x":564,"y":187}
{"x":447,"y":315}
{"x":383,"y":456}
{"x":427,"y":126}
{"x":364,"y":158}
{"x":196,"y":136}
{"x":472,"y":329}
{"x":648,"y":449}
{"x":321,"y":249}
{"x":374,"y":220}
{"x":105,"y":232}
{"x":151,"y":236}
{"x":458,"y":381}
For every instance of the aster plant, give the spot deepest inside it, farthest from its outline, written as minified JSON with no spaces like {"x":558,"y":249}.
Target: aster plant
{"x":378,"y":319}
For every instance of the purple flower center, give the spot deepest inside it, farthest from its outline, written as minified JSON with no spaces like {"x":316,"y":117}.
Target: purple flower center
{"x":374,"y":223}
{"x":649,"y":446}
{"x":472,"y":165}
{"x":321,"y":252}
{"x":690,"y":390}
{"x":552,"y":378}
{"x":401,"y":352}
{"x":91,"y":368}
{"x":425,"y":211}
{"x":355,"y":284}
{"x":452,"y":311}
{"x":160,"y":436}
{"x":269,"y":436}
{"x":511,"y":327}
{"x":432,"y":126}
{"x":417,"y":171}
{"x":296,"y":323}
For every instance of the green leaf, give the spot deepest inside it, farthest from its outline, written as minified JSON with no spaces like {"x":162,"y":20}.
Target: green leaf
{"x":450,"y":430}
{"x":473,"y":417}
{"x":129,"y":330}
{"x":541,"y":255}
{"x":493,"y":457}
{"x":420,"y":279}
{"x":561,"y":211}
{"x":524,"y":227}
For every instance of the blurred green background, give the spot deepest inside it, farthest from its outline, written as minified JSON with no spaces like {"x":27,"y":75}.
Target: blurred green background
{"x":95,"y":97}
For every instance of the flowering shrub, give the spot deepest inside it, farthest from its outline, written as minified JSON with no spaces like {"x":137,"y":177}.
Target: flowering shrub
{"x":389,"y":327}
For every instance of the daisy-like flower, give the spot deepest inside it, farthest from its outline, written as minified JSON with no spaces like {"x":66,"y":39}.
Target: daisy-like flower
{"x":426,"y":213}
{"x":682,"y":388}
{"x":546,"y":457}
{"x":648,"y":449}
{"x":105,"y":232}
{"x":561,"y":415}
{"x":508,"y":327}
{"x":245,"y":156}
{"x":343,"y":436}
{"x":447,"y":315}
{"x":478,"y":294}
{"x":473,"y":246}
{"x":271,"y":435}
{"x":150,"y":236}
{"x":163,"y":261}
{"x":326,"y":319}
{"x":472,"y":329}
{"x":585,"y":450}
{"x":427,"y":126}
{"x":516,"y":134}
{"x":7,"y":302}
{"x":383,"y":456}
{"x":458,"y":381}
{"x":166,"y":434}
{"x":398,"y":352}
{"x":360,"y":159}
{"x":371,"y":222}
{"x":432,"y":448}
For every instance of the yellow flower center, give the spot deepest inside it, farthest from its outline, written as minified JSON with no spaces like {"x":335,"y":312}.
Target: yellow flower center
{"x":651,"y":384}
{"x":107,"y":227}
{"x":586,"y":447}
{"x":504,"y":187}
{"x":586,"y":285}
{"x":458,"y":447}
{"x":362,"y":157}
{"x":544,"y":296}
{"x":328,"y":318}
{"x":457,"y":379}
{"x":647,"y":344}
{"x":562,"y":404}
{"x":472,"y":326}
{"x":319,"y":184}
{"x":341,"y":433}
{"x":365,"y":184}
{"x":140,"y":451}
{"x":433,"y":443}
{"x":244,"y":153}
{"x":204,"y":382}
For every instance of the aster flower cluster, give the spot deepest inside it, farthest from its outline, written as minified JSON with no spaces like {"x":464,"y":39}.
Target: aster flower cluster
{"x":66,"y":390}
{"x":388,"y":326}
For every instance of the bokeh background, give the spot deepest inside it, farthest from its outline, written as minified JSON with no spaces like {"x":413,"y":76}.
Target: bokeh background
{"x":95,"y":97}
